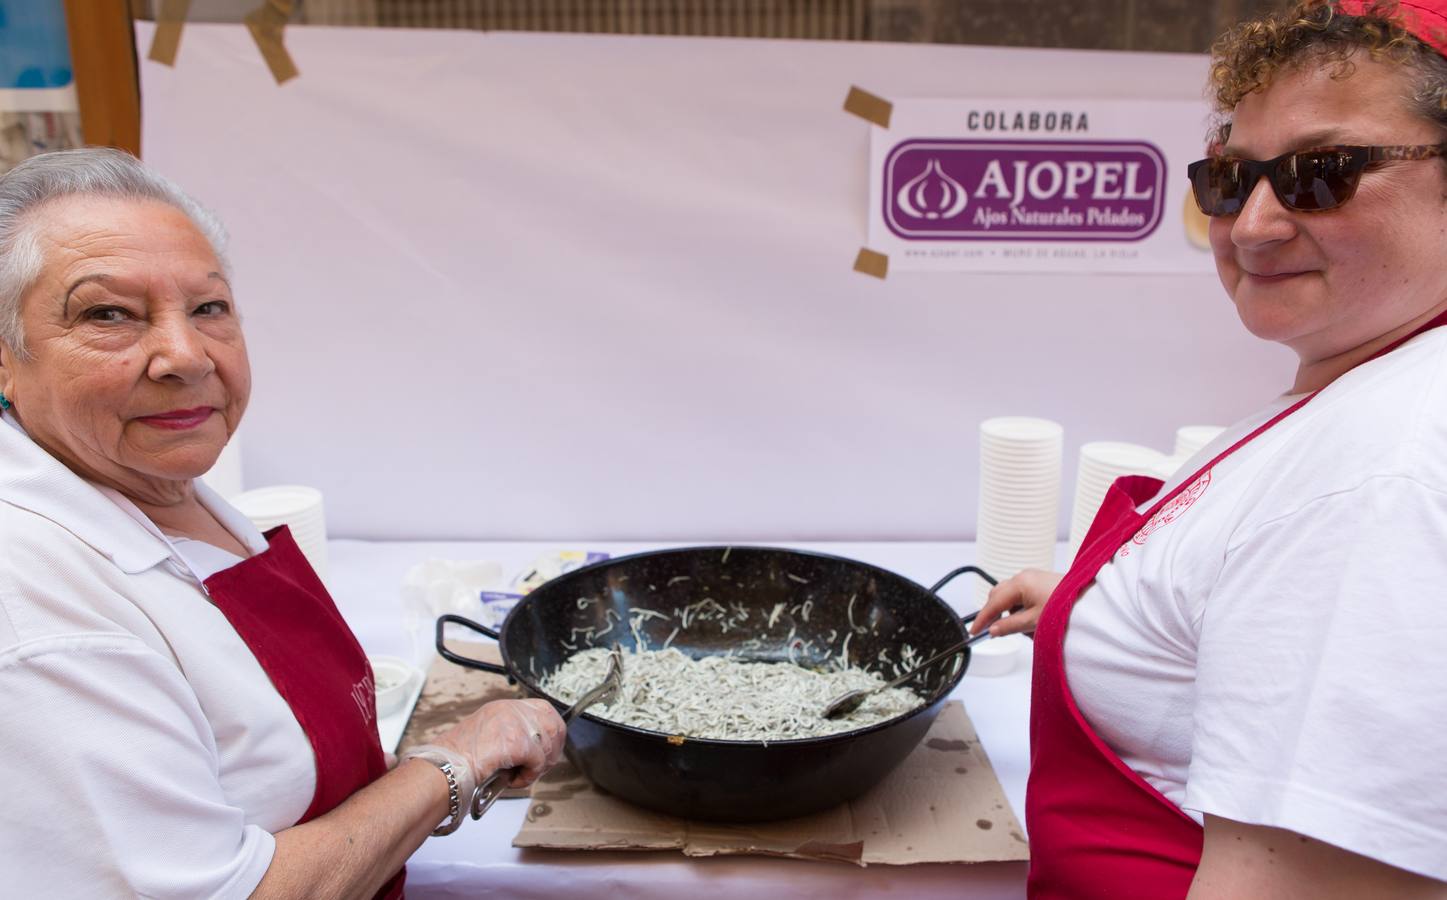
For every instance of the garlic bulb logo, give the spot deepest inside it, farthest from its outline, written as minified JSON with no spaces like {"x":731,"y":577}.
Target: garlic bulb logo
{"x":932,"y":195}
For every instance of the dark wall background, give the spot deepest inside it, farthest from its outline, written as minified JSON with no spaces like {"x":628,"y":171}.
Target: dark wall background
{"x":1167,"y":26}
{"x":1170,"y":26}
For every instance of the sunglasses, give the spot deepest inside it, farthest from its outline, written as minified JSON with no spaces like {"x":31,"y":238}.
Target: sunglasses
{"x":1304,"y":180}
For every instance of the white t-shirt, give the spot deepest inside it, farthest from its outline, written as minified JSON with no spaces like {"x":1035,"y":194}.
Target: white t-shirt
{"x":144,"y":751}
{"x":1276,"y":652}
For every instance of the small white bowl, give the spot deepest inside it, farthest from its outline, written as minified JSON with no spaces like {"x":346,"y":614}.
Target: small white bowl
{"x":394,"y":678}
{"x":997,"y":656}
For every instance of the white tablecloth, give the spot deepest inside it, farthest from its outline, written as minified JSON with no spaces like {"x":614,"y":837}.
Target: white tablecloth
{"x":479,"y":860}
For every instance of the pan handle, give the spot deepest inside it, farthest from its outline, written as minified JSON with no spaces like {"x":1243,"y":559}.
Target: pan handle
{"x":467,"y":661}
{"x":962,"y":570}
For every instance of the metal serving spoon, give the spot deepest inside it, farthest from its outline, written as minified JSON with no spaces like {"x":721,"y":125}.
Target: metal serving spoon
{"x":488,"y":792}
{"x":604,"y":692}
{"x":848,"y":702}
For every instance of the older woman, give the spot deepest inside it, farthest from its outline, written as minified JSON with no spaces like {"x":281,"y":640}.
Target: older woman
{"x":178,"y":688}
{"x":1249,"y":699}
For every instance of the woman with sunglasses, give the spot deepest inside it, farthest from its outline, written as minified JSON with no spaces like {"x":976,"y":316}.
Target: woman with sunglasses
{"x":1250,"y":698}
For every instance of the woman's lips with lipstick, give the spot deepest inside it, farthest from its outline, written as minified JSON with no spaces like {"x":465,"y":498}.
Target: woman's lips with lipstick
{"x":1270,"y":277}
{"x":179,"y":419}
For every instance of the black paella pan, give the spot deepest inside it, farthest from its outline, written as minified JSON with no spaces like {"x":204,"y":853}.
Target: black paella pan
{"x":885,"y":618}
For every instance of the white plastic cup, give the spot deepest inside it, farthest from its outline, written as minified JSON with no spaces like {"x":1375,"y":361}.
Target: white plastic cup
{"x":298,"y":507}
{"x":1101,"y":463}
{"x":1191,"y":438}
{"x":1019,"y":496}
{"x":224,"y":476}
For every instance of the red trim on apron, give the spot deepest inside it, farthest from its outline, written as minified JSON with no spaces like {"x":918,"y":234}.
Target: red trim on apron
{"x":1097,"y":829}
{"x":283,"y":612}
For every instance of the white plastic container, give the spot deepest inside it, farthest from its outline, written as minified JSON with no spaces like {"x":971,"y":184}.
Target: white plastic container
{"x":394,"y":678}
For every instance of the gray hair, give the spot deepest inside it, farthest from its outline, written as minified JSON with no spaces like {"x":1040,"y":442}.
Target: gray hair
{"x":1429,"y":94}
{"x":93,"y":171}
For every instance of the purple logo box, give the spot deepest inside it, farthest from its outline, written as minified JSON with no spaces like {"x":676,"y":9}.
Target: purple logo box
{"x":970,"y":190}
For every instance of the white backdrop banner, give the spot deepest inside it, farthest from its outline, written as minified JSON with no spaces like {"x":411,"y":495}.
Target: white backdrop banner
{"x":1068,"y":185}
{"x":562,"y":287}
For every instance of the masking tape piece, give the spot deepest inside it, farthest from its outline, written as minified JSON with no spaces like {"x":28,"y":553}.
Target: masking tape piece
{"x":868,"y":107}
{"x":166,"y":39}
{"x":267,"y":23}
{"x":871,"y":263}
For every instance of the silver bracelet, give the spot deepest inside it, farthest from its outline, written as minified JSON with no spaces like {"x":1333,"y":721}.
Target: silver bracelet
{"x":459,"y":782}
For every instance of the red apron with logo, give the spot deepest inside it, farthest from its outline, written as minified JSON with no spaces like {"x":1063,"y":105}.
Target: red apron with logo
{"x":283,"y":612}
{"x":1097,"y":829}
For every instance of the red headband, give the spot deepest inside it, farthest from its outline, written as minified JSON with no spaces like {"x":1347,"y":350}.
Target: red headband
{"x":1423,"y":19}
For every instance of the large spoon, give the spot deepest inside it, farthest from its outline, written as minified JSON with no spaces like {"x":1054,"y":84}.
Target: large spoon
{"x":488,"y":792}
{"x":848,"y":702}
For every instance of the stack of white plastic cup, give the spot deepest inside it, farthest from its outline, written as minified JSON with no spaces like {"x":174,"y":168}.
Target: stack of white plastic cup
{"x":295,"y":506}
{"x":1101,"y":463}
{"x":224,"y":476}
{"x":1167,"y":467}
{"x":1191,"y":438}
{"x":1019,"y":495}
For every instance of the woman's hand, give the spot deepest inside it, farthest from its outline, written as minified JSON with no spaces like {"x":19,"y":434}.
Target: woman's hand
{"x":526,"y":735}
{"x":1014,"y":604}
{"x":353,"y":850}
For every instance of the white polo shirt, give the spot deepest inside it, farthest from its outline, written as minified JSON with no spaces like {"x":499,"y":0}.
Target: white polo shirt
{"x":144,"y":750}
{"x":1276,"y":653}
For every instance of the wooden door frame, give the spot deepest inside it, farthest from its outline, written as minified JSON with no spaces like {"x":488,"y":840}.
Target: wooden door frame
{"x":107,"y":83}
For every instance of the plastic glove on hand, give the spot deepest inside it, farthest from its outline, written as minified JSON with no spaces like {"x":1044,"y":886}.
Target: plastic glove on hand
{"x":524,"y":737}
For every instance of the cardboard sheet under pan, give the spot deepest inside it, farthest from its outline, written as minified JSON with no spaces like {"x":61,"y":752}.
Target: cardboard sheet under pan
{"x":942,"y":805}
{"x":451,"y":692}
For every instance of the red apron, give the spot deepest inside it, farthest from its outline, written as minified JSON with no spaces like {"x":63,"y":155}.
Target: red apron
{"x":1097,"y":829}
{"x":283,"y":612}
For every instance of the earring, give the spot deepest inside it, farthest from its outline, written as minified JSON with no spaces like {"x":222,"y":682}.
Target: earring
{"x":5,"y":403}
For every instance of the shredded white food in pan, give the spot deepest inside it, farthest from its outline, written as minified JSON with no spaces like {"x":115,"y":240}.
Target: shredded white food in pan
{"x":725,"y":698}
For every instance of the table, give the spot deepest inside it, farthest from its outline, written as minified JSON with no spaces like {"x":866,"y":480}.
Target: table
{"x":365,"y":577}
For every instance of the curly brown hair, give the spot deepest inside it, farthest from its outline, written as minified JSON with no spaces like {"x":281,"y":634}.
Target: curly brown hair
{"x":1246,"y":58}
